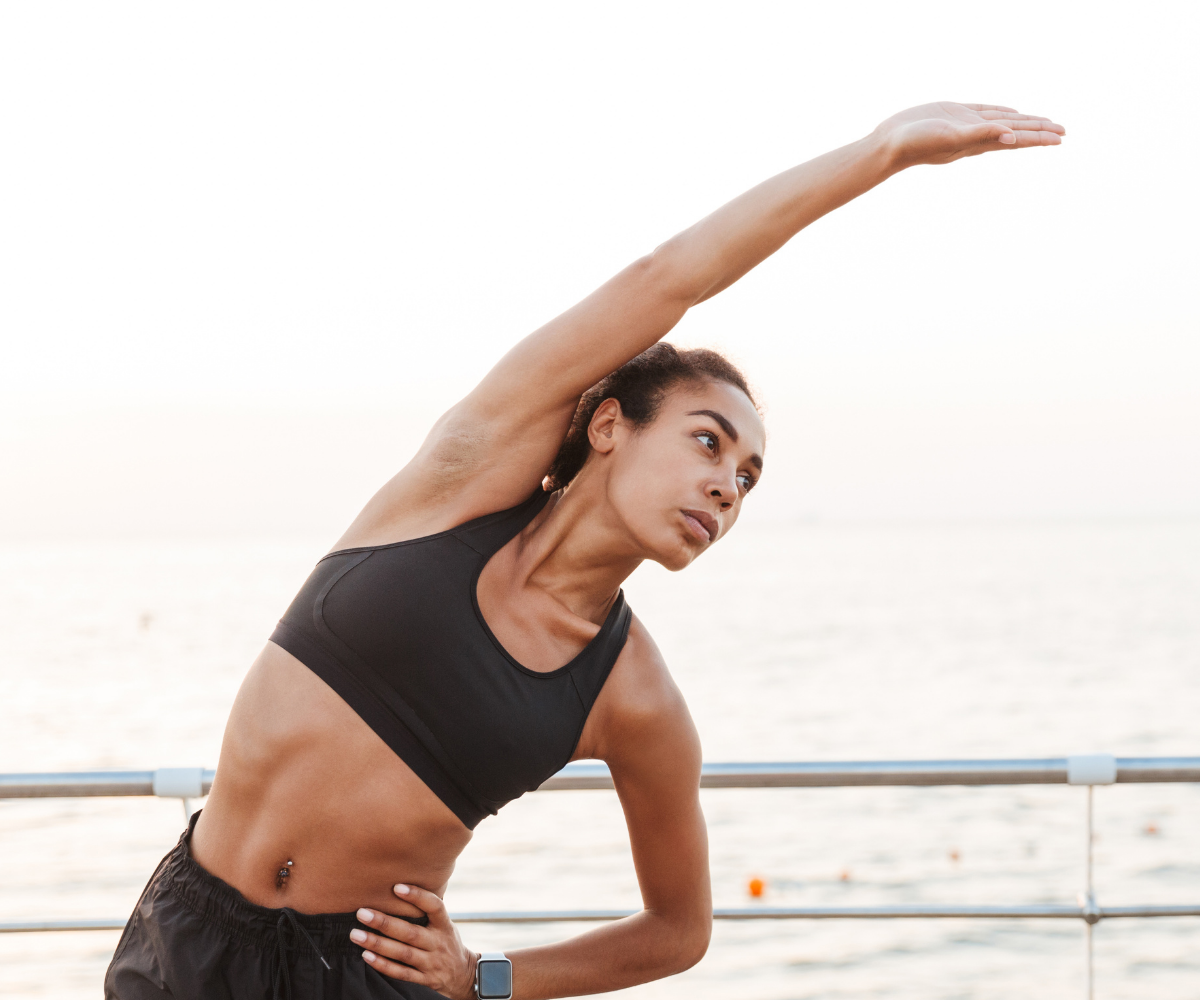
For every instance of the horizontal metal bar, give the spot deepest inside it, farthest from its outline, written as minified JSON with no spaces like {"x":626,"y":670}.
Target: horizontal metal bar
{"x":1158,"y":769}
{"x":788,"y":913}
{"x":1033,"y":912}
{"x":76,"y":783}
{"x":591,"y":775}
{"x":1182,"y":910}
{"x":80,"y":784}
{"x":908,"y":772}
{"x":29,"y":926}
{"x":1039,"y":771}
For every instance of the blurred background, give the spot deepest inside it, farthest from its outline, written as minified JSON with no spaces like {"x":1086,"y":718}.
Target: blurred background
{"x":248,"y":253}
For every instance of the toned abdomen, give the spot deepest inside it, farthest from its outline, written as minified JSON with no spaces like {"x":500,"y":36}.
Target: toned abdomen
{"x":303,"y":779}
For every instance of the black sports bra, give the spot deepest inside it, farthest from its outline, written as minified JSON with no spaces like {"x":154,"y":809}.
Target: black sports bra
{"x":397,"y":632}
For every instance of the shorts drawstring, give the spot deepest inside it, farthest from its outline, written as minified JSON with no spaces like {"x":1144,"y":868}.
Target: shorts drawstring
{"x":285,"y":944}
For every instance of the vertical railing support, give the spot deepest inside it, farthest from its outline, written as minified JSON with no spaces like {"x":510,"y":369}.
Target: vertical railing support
{"x":1091,"y":770}
{"x":1089,"y":899}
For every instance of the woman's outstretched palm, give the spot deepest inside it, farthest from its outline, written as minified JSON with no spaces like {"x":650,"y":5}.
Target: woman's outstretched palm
{"x":945,"y":131}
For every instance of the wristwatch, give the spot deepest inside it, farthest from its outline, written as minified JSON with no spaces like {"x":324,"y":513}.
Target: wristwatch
{"x":493,"y":976}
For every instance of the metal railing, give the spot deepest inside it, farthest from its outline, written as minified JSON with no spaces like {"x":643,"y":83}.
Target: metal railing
{"x":193,"y":782}
{"x":1086,"y":770}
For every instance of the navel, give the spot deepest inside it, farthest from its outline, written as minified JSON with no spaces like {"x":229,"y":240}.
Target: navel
{"x":281,"y":876}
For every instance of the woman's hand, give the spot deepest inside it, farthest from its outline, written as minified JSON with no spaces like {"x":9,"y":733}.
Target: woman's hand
{"x":943,"y":132}
{"x":433,"y":955}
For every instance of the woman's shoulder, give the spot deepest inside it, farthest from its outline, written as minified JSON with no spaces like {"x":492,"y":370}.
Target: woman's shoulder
{"x":640,"y":710}
{"x":640,"y":674}
{"x":470,"y":465}
{"x":417,"y":503}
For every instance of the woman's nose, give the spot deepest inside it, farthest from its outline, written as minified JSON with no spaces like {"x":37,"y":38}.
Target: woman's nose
{"x":725,"y":504}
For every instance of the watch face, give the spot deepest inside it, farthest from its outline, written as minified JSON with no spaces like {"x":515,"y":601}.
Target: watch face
{"x":495,"y":980}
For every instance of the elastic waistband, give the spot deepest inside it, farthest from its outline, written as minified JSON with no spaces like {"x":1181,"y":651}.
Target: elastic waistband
{"x":219,"y":904}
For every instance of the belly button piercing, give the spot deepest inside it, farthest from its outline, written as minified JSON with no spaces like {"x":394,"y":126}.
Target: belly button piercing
{"x":281,"y":876}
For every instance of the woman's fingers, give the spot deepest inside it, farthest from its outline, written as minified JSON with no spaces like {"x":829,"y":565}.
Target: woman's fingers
{"x":1008,"y":140}
{"x":1027,"y":124}
{"x":1018,"y":121}
{"x":394,"y":970}
{"x":395,"y":928}
{"x":1010,"y":135}
{"x":428,"y":902}
{"x":1041,"y":137}
{"x":432,"y":955}
{"x":1007,"y":113}
{"x":392,"y":949}
{"x":992,"y":116}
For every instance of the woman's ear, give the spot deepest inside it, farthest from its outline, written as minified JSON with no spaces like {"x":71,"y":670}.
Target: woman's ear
{"x":604,"y":425}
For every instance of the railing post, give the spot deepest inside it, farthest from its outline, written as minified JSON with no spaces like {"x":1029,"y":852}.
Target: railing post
{"x":1091,"y":770}
{"x":1089,"y":904}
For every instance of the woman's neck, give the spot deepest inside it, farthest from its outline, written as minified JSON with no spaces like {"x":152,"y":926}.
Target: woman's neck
{"x":577,"y":551}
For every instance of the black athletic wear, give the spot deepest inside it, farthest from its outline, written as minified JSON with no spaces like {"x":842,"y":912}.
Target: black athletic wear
{"x":194,"y":937}
{"x":397,"y":632}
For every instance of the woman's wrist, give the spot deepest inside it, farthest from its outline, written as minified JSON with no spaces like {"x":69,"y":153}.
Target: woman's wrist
{"x":881,"y":150}
{"x":472,"y":962}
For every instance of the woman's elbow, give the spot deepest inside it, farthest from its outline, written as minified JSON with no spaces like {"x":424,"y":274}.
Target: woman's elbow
{"x":667,"y":273}
{"x":697,"y":947}
{"x":690,"y":943}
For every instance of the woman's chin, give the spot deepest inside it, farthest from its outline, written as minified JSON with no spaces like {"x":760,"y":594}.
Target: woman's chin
{"x":677,"y":558}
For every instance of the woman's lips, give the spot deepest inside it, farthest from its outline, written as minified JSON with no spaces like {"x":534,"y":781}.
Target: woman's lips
{"x":703,"y":526}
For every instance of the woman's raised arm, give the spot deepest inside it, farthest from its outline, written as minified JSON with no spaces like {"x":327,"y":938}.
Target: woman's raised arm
{"x":493,"y":447}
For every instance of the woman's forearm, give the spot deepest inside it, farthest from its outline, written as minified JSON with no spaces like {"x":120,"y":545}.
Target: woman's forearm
{"x":625,"y":953}
{"x":711,"y":255}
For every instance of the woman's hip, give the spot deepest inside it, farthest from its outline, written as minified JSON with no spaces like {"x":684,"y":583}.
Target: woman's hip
{"x":193,"y":936}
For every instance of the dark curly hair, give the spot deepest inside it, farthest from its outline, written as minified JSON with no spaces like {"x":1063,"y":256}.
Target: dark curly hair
{"x":640,"y":386}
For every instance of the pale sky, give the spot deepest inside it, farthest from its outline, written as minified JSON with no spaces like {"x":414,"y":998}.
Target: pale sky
{"x":247,"y":251}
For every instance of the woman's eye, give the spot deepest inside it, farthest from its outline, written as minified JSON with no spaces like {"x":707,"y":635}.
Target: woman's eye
{"x":708,"y":440}
{"x":746,"y":483}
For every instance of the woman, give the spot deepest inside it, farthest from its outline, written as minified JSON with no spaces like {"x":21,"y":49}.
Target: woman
{"x":467,"y":637}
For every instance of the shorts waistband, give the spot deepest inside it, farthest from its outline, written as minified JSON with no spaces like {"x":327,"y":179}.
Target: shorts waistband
{"x":219,"y":904}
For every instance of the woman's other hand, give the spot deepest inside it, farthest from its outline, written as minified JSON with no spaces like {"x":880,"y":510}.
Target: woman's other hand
{"x":433,"y":955}
{"x":945,"y":131}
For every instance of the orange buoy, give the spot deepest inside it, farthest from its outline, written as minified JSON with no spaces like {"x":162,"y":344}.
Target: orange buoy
{"x":954,"y":855}
{"x":1151,"y":829}
{"x":756,"y":887}
{"x":845,"y":875}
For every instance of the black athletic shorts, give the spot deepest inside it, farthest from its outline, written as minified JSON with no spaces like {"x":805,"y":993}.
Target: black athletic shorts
{"x":194,"y":937}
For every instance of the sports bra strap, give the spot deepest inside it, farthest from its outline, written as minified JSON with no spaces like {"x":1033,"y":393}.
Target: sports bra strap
{"x":487,"y":535}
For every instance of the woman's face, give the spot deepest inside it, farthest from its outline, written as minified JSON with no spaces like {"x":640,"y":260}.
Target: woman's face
{"x":678,"y":483}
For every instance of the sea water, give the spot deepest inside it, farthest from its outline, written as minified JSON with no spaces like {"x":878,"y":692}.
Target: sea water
{"x":803,"y":641}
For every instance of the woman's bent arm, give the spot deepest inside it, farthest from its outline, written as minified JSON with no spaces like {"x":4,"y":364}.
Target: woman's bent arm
{"x":641,"y":727}
{"x":493,"y":448}
{"x":645,"y":734}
